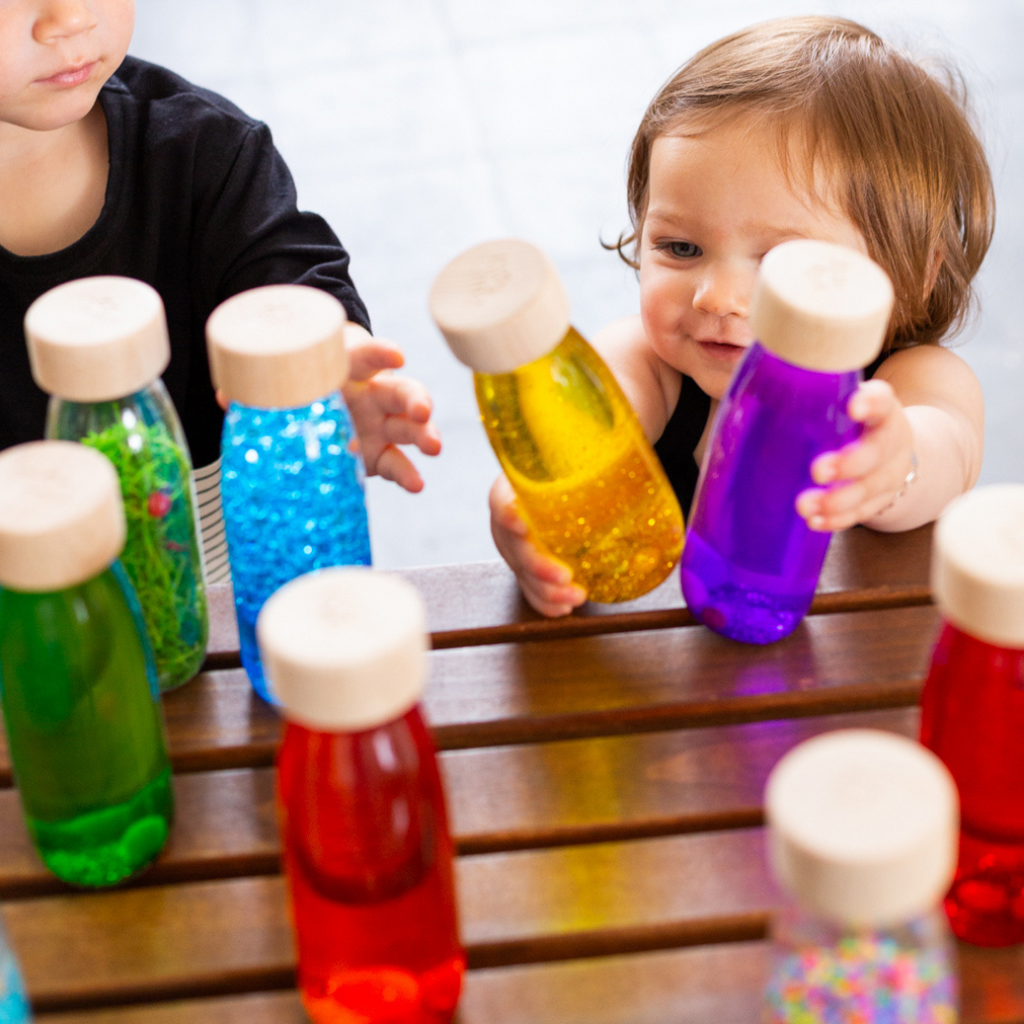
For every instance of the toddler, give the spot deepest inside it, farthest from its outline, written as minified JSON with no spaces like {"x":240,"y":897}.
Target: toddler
{"x":111,"y":165}
{"x":807,"y":127}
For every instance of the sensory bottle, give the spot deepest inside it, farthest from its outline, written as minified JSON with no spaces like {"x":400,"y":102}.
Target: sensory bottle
{"x":587,"y":481}
{"x":77,"y":679}
{"x":98,"y":346}
{"x":367,"y":851}
{"x":751,"y":564}
{"x":972,"y":707}
{"x":862,"y":840}
{"x":291,"y":486}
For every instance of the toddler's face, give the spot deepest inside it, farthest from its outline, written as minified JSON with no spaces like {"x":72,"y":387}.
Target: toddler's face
{"x":716,"y":204}
{"x":56,"y":56}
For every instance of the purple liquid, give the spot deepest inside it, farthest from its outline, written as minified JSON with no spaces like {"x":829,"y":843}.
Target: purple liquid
{"x":750,"y":563}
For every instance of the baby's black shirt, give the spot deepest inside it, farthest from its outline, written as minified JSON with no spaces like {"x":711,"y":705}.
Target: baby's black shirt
{"x":200,"y":205}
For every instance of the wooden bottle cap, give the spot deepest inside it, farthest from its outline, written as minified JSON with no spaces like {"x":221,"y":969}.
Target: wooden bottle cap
{"x":61,"y":516}
{"x":862,"y":827}
{"x":97,"y":338}
{"x":500,"y":305}
{"x":278,"y":347}
{"x":821,"y":306}
{"x":978,"y":564}
{"x":344,"y":648}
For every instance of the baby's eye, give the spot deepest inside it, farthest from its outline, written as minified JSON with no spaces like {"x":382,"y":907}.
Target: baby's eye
{"x":683,"y":250}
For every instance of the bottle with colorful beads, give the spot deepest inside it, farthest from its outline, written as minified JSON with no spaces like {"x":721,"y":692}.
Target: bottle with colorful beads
{"x":862,"y":839}
{"x":291,"y":485}
{"x":367,"y":851}
{"x":972,"y":707}
{"x":586,"y":478}
{"x":78,"y":684}
{"x":14,"y":1008}
{"x":98,"y":345}
{"x":751,"y":564}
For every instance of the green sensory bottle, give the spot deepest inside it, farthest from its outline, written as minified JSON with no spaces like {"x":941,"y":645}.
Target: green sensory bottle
{"x":77,"y":680}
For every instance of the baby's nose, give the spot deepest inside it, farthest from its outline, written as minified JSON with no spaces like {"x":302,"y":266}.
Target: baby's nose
{"x":724,"y":289}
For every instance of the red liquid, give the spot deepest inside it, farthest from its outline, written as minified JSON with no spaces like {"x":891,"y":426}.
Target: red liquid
{"x":369,"y":864}
{"x":972,"y":716}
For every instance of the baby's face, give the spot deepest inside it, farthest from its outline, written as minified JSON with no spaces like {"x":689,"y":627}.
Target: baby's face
{"x":716,"y":204}
{"x":56,"y":56}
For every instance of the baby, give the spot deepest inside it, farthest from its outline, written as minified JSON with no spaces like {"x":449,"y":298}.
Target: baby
{"x":807,"y":127}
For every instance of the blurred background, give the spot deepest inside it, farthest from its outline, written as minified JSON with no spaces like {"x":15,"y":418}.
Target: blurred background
{"x":421,"y":127}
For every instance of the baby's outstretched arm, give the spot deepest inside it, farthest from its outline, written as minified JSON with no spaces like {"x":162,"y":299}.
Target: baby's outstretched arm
{"x":387,"y":410}
{"x":923,"y":416}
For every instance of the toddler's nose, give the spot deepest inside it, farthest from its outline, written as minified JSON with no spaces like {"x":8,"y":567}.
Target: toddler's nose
{"x":59,"y":19}
{"x":724,"y":289}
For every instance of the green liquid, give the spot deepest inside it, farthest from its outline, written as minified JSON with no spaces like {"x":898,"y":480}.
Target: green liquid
{"x":85,"y":728}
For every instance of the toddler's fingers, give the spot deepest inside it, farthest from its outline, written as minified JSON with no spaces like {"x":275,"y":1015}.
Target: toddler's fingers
{"x":395,"y":466}
{"x":872,"y":402}
{"x":369,"y":355}
{"x":552,"y":601}
{"x":849,"y":463}
{"x":425,"y":436}
{"x":401,"y":396}
{"x":504,"y":510}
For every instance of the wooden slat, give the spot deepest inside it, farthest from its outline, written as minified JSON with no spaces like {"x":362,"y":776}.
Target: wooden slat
{"x":601,"y":685}
{"x":500,"y":798}
{"x":480,"y":603}
{"x":699,"y":985}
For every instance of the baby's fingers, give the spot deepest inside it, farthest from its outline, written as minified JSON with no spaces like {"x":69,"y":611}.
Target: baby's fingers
{"x":393,"y":465}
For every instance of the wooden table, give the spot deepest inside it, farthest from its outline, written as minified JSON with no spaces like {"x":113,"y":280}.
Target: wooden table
{"x":604,"y":776}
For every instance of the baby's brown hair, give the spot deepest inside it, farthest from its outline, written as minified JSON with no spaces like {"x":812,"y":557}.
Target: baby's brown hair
{"x":895,"y":140}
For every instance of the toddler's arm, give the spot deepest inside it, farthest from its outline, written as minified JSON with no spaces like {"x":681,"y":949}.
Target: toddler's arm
{"x":547,"y":583}
{"x":924,"y":422}
{"x":387,"y":411}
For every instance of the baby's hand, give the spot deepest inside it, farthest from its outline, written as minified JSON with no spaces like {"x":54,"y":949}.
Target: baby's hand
{"x":546,"y":583}
{"x":870,"y":473}
{"x":387,"y":411}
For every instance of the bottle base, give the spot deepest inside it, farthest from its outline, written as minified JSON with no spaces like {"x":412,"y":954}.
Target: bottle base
{"x":102,"y":848}
{"x":251,"y":662}
{"x":986,"y":902}
{"x":386,"y":995}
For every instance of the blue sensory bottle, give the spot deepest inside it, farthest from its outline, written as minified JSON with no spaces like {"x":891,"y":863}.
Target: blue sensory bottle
{"x":13,"y":1000}
{"x":291,"y":484}
{"x":751,"y":563}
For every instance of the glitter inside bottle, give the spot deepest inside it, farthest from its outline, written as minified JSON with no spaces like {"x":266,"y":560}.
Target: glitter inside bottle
{"x":862,"y":840}
{"x":751,"y":562}
{"x":587,"y":481}
{"x":291,"y":485}
{"x":98,"y":345}
{"x":367,"y":851}
{"x":972,"y":706}
{"x":77,"y":680}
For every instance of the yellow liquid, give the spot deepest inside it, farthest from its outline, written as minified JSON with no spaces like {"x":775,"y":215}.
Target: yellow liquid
{"x":588,"y":482}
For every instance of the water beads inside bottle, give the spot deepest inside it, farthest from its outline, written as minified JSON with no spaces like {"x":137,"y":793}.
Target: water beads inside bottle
{"x":587,"y":481}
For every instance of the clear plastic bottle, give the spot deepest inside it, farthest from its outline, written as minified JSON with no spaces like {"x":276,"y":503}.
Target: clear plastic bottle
{"x":972,"y":707}
{"x":586,"y":478}
{"x":14,"y":1008}
{"x":862,"y":839}
{"x":291,"y":486}
{"x":751,"y":563}
{"x":77,"y":680}
{"x":98,"y":345}
{"x":367,"y":850}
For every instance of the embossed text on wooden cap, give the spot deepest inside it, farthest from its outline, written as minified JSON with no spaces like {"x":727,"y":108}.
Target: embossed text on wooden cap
{"x":345,"y":649}
{"x":978,"y":564}
{"x":97,"y":338}
{"x":278,"y":347}
{"x":500,"y":305}
{"x":821,"y":306}
{"x":61,"y":516}
{"x":862,"y":827}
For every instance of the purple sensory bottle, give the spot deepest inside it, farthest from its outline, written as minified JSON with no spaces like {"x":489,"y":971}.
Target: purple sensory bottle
{"x":751,"y":563}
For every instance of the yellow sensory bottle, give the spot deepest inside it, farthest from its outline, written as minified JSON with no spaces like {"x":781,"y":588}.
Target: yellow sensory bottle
{"x":588,"y":483}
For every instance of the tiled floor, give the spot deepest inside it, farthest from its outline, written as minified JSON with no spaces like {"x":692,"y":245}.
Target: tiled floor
{"x":420,"y":127}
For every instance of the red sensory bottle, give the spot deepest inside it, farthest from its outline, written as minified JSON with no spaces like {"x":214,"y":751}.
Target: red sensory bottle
{"x":367,"y":851}
{"x":972,"y":708}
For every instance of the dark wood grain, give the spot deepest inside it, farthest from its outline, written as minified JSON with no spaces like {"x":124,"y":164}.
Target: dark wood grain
{"x":480,"y":603}
{"x":699,"y":985}
{"x":500,"y":798}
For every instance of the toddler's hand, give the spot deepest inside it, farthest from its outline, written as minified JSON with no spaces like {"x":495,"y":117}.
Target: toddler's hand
{"x":862,"y":479}
{"x":546,"y":583}
{"x":387,"y":411}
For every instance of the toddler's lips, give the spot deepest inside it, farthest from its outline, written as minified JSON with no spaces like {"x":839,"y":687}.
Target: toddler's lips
{"x":70,"y":76}
{"x":723,"y":350}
